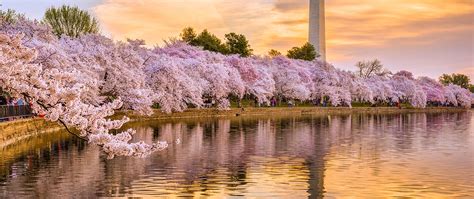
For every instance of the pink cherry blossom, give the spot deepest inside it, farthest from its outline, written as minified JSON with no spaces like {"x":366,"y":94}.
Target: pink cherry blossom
{"x":80,"y":82}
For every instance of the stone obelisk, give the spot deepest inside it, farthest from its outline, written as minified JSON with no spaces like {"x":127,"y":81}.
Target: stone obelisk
{"x":317,"y":30}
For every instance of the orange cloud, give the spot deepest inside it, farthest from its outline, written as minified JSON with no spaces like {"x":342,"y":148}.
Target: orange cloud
{"x":155,"y":20}
{"x":404,"y":34}
{"x":382,"y":21}
{"x":429,"y":37}
{"x":469,"y":71}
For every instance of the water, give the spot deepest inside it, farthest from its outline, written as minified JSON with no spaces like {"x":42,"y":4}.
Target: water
{"x":361,"y":155}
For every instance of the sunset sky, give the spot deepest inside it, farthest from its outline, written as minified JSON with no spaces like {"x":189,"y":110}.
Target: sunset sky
{"x":427,"y":37}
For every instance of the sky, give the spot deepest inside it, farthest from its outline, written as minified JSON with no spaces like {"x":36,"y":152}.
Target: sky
{"x":426,"y":37}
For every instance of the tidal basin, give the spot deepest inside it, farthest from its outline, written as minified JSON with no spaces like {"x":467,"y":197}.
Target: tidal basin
{"x":359,"y":155}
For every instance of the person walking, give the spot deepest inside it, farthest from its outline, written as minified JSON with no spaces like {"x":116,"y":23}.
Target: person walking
{"x":20,"y":102}
{"x":3,"y":100}
{"x":273,"y":102}
{"x":291,"y":103}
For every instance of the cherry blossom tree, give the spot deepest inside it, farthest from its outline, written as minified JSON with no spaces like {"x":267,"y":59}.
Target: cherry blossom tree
{"x":463,"y":96}
{"x":332,"y":83}
{"x":60,"y":94}
{"x":175,"y":89}
{"x":472,"y":99}
{"x":115,"y":68}
{"x":80,"y":82}
{"x":406,"y":89}
{"x":216,"y":77}
{"x":380,"y":88}
{"x":256,"y":75}
{"x":119,"y":68}
{"x":291,"y":81}
{"x":434,"y":91}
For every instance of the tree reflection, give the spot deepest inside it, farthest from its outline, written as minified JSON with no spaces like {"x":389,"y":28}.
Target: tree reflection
{"x":291,"y":156}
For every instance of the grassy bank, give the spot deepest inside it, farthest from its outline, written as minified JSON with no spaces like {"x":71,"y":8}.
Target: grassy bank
{"x":235,"y":112}
{"x":11,"y":132}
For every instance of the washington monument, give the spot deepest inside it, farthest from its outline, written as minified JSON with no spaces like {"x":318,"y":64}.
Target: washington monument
{"x":317,"y":36}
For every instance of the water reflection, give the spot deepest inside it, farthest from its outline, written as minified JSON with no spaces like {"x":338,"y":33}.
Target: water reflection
{"x":400,"y":155}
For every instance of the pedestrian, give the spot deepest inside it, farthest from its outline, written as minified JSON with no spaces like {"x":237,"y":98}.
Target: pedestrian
{"x":20,"y":102}
{"x":273,"y":102}
{"x":257,"y":104}
{"x":291,"y":103}
{"x":315,"y":102}
{"x":3,"y":100}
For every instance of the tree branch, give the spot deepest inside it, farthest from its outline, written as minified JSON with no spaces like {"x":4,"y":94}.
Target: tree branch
{"x":26,"y":96}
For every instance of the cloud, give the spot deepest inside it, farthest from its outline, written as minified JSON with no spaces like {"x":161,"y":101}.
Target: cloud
{"x":382,"y":21}
{"x":469,"y":71}
{"x":36,"y":8}
{"x":155,"y":20}
{"x":429,"y":37}
{"x":292,"y":22}
{"x":291,"y":5}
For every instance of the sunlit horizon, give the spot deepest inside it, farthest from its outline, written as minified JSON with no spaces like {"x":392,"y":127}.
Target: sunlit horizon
{"x":427,"y":37}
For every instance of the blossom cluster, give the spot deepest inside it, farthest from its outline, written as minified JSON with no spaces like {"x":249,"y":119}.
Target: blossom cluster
{"x":81,"y":81}
{"x":184,"y":74}
{"x":54,"y":76}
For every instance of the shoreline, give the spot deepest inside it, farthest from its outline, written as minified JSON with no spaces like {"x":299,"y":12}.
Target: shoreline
{"x":14,"y":131}
{"x":261,"y":111}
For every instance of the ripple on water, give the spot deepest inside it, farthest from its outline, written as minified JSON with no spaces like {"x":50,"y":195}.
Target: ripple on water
{"x":362,"y":155}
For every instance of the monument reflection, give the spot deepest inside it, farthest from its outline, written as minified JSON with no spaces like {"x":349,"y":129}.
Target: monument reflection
{"x":399,"y":155}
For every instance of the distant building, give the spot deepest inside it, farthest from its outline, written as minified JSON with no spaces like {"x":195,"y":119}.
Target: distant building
{"x":317,"y":29}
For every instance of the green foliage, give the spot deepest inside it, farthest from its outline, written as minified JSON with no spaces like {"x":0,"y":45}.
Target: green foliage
{"x":471,"y":88}
{"x":306,"y":52}
{"x":235,"y":43}
{"x":209,"y":42}
{"x":458,"y":79}
{"x":238,"y":44}
{"x":274,"y":53}
{"x":9,"y":16}
{"x":70,"y":21}
{"x":188,"y":35}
